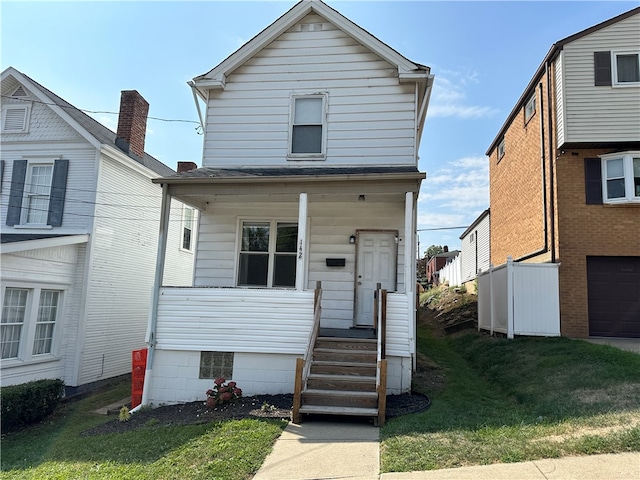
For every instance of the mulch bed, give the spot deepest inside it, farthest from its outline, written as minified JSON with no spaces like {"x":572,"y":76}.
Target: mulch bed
{"x":259,"y":406}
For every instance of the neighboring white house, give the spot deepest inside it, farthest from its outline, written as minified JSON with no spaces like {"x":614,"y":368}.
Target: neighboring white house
{"x":475,"y":250}
{"x":79,"y":216}
{"x":309,"y":174}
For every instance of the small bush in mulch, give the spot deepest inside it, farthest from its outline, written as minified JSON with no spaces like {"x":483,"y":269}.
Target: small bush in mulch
{"x":258,"y":406}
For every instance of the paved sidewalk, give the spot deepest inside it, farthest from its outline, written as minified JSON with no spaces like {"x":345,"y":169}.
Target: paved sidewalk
{"x":319,"y":450}
{"x":620,"y":466}
{"x":324,"y":450}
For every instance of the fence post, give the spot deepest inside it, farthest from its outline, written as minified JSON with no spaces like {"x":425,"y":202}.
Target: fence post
{"x":510,"y":326}
{"x":492,"y":307}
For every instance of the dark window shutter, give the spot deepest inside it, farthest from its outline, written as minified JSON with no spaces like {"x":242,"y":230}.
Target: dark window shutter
{"x":15,"y":195}
{"x":58,"y":190}
{"x":593,"y":180}
{"x":602,"y":68}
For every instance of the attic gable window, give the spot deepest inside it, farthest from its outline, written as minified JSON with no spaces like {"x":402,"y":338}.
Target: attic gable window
{"x":307,"y":132}
{"x":501,"y":149}
{"x":15,"y":119}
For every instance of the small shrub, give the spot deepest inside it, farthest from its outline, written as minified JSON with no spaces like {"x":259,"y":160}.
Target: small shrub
{"x":124,"y":414}
{"x":29,"y":402}
{"x":267,"y":407}
{"x":222,"y":393}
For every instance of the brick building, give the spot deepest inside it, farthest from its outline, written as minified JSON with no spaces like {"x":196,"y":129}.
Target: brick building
{"x":565,"y":177}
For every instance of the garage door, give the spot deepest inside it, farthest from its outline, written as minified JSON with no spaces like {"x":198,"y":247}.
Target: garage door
{"x":614,"y":296}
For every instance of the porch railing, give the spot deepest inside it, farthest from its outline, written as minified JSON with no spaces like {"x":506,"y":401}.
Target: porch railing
{"x":381,"y":372}
{"x":303,"y":365}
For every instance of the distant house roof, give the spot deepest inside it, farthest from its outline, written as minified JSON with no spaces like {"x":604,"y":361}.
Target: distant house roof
{"x":555,"y":49}
{"x":475,"y":223}
{"x":94,"y":128}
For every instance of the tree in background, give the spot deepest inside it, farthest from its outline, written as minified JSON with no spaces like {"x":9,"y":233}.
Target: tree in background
{"x":433,"y":250}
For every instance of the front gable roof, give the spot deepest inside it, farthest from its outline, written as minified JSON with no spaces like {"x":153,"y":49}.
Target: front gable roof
{"x":216,"y":78}
{"x":91,"y":130}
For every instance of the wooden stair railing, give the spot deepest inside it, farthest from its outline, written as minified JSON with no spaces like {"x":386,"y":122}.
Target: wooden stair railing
{"x":303,"y":365}
{"x":381,"y":374}
{"x":343,"y":376}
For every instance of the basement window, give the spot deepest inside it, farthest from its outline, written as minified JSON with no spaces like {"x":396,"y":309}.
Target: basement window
{"x":216,"y":364}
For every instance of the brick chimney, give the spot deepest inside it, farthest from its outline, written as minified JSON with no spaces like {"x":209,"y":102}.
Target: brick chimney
{"x":132,"y":122}
{"x":186,"y":166}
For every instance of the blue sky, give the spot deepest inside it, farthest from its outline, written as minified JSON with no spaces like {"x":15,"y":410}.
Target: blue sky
{"x":482,"y":54}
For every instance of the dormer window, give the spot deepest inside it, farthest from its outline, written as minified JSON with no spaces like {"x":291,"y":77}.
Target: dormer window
{"x":307,"y":131}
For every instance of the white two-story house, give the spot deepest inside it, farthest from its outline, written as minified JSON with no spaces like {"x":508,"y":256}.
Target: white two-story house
{"x":309,"y":179}
{"x":79,"y":220}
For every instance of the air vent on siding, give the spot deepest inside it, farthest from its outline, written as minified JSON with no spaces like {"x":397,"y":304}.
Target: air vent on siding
{"x":15,"y":119}
{"x":311,"y":27}
{"x":19,"y":92}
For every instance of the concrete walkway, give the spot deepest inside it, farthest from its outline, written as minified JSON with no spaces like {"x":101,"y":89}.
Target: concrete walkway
{"x":317,"y":450}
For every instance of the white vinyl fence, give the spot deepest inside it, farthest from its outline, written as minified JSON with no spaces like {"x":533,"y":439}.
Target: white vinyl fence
{"x":520,"y":299}
{"x":451,"y":273}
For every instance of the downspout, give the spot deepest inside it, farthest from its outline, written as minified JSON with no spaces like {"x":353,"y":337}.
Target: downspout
{"x":153,"y":314}
{"x":551,"y":168}
{"x":543,"y":162}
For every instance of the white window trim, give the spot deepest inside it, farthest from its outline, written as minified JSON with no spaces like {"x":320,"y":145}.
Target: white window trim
{"x":528,"y":117}
{"x":24,"y":215}
{"x":27,"y":117}
{"x":627,"y":162}
{"x":27,"y":335}
{"x":614,"y":68}
{"x":292,"y":103}
{"x":182,"y":227}
{"x":273,"y":223}
{"x":501,"y":149}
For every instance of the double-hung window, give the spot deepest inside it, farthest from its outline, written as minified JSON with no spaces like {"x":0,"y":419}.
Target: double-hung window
{"x":621,"y":177}
{"x":36,"y":193}
{"x":267,"y":256}
{"x":307,"y":131}
{"x":187,"y":228}
{"x":28,"y":324}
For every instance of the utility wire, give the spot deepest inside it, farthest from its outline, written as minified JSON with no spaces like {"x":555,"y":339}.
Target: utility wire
{"x":71,"y":107}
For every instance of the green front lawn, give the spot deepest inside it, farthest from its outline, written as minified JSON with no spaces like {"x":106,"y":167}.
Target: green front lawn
{"x":516,"y":400}
{"x":56,"y":450}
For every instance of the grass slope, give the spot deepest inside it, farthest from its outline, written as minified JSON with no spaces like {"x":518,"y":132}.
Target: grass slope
{"x":517,"y":400}
{"x":55,"y":449}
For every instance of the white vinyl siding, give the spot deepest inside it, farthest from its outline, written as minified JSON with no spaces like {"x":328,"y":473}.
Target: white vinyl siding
{"x":475,"y":250}
{"x":234,"y":320}
{"x":124,"y":248}
{"x":559,"y":104}
{"x":80,"y":192}
{"x":370,"y":116}
{"x":328,"y":238}
{"x":598,"y":113}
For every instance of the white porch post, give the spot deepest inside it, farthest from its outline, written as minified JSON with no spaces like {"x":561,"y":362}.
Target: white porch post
{"x":165,"y":210}
{"x":409,"y":269}
{"x":302,"y":242}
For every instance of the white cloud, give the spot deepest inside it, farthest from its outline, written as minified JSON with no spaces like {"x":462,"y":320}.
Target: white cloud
{"x":449,"y":97}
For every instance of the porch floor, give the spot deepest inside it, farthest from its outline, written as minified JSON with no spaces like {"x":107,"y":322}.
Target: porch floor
{"x":348,"y":332}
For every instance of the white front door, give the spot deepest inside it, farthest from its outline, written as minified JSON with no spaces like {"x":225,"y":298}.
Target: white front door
{"x":376,"y":263}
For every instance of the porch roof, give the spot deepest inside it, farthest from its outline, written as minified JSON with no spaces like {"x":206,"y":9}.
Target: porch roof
{"x":302,"y":174}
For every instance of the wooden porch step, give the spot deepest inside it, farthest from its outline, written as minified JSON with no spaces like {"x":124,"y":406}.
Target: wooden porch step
{"x":340,"y":398}
{"x":339,"y":355}
{"x":329,"y":410}
{"x":344,"y":368}
{"x":333,"y":382}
